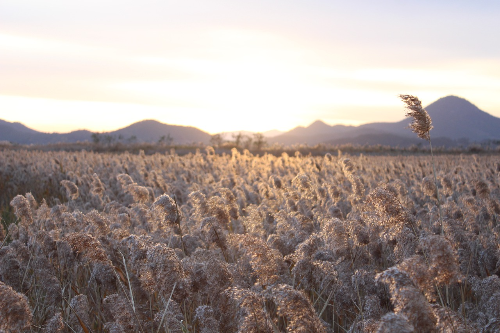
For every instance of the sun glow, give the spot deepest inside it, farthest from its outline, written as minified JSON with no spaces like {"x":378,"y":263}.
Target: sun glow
{"x":219,"y":79}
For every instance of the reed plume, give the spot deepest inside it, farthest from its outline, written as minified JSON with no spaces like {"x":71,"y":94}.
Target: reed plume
{"x":71,"y":189}
{"x":422,"y":123}
{"x":15,"y":314}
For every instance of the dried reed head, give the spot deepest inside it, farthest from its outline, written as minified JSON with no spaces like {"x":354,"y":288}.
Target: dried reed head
{"x":100,"y":222}
{"x":276,"y":182}
{"x":15,"y":314}
{"x":429,"y":187}
{"x":140,"y":193}
{"x":71,"y":189}
{"x":79,"y":317}
{"x":88,"y":246}
{"x":213,"y":233}
{"x":390,"y":208}
{"x":97,"y":187}
{"x":125,"y":180}
{"x":482,"y":189}
{"x":218,"y":209}
{"x":162,"y":271}
{"x":302,"y":182}
{"x":394,"y":323}
{"x":103,"y":275}
{"x":54,"y":325}
{"x":22,"y":209}
{"x":443,"y":261}
{"x":417,"y":269}
{"x":408,"y":300}
{"x":199,"y":202}
{"x":265,"y":261}
{"x":449,"y":321}
{"x":119,"y":309}
{"x":167,"y":208}
{"x":253,"y":317}
{"x":298,"y":310}
{"x":205,"y":317}
{"x":31,"y":200}
{"x":348,"y":166}
{"x":422,"y":123}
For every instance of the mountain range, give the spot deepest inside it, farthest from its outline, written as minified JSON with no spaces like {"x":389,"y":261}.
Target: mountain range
{"x":456,"y":121}
{"x":142,"y":131}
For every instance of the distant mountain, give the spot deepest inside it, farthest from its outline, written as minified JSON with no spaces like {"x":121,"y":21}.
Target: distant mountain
{"x":455,"y":120}
{"x":143,"y":131}
{"x":452,"y":117}
{"x":152,"y":131}
{"x":18,"y":133}
{"x":317,"y":132}
{"x":272,"y":133}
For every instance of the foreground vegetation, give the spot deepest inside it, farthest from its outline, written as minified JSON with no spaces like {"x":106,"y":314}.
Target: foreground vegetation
{"x":204,"y":242}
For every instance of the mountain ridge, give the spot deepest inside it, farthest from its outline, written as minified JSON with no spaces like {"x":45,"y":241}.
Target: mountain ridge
{"x":456,"y":121}
{"x":148,"y":130}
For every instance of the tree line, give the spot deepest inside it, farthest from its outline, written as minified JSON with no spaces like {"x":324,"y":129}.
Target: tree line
{"x":256,"y":141}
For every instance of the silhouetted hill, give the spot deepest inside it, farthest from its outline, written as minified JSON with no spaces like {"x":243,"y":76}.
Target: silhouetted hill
{"x":456,"y":118}
{"x":452,"y":117}
{"x":18,"y":133}
{"x":143,"y":131}
{"x":152,"y":131}
{"x":455,"y":121}
{"x":313,"y":134}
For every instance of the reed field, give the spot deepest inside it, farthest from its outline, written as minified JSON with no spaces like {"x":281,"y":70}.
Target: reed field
{"x":97,"y":242}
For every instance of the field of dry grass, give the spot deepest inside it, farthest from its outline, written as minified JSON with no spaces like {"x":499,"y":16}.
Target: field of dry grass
{"x":98,"y":242}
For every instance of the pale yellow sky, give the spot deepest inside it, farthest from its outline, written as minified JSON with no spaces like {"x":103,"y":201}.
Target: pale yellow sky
{"x":224,"y":66}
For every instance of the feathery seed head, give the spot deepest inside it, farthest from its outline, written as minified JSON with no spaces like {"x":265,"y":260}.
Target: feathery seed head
{"x":15,"y":314}
{"x":125,"y":180}
{"x":54,"y":324}
{"x":71,"y":189}
{"x":429,"y":187}
{"x":422,"y":123}
{"x":394,"y":323}
{"x":168,"y":208}
{"x":97,"y":187}
{"x":296,"y":307}
{"x":22,"y":209}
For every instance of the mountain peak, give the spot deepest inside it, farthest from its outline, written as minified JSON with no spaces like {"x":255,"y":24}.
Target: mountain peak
{"x":452,"y":105}
{"x":319,"y":125}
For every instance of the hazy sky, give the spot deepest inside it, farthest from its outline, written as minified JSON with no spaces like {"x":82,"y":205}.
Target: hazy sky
{"x":241,"y":65}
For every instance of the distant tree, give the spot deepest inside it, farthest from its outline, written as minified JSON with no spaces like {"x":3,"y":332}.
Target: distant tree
{"x":259,"y":141}
{"x":238,"y":138}
{"x":96,"y":138}
{"x":132,"y":139}
{"x":216,"y":140}
{"x":247,"y":142}
{"x":166,"y":139}
{"x":109,"y":139}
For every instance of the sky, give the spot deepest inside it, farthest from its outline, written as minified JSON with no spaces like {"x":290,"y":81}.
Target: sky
{"x":229,"y":65}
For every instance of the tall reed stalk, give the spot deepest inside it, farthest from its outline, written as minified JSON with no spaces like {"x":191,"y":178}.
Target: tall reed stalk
{"x":422,"y":125}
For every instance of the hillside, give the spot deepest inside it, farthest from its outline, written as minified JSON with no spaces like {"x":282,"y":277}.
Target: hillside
{"x":143,"y":131}
{"x":455,"y":121}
